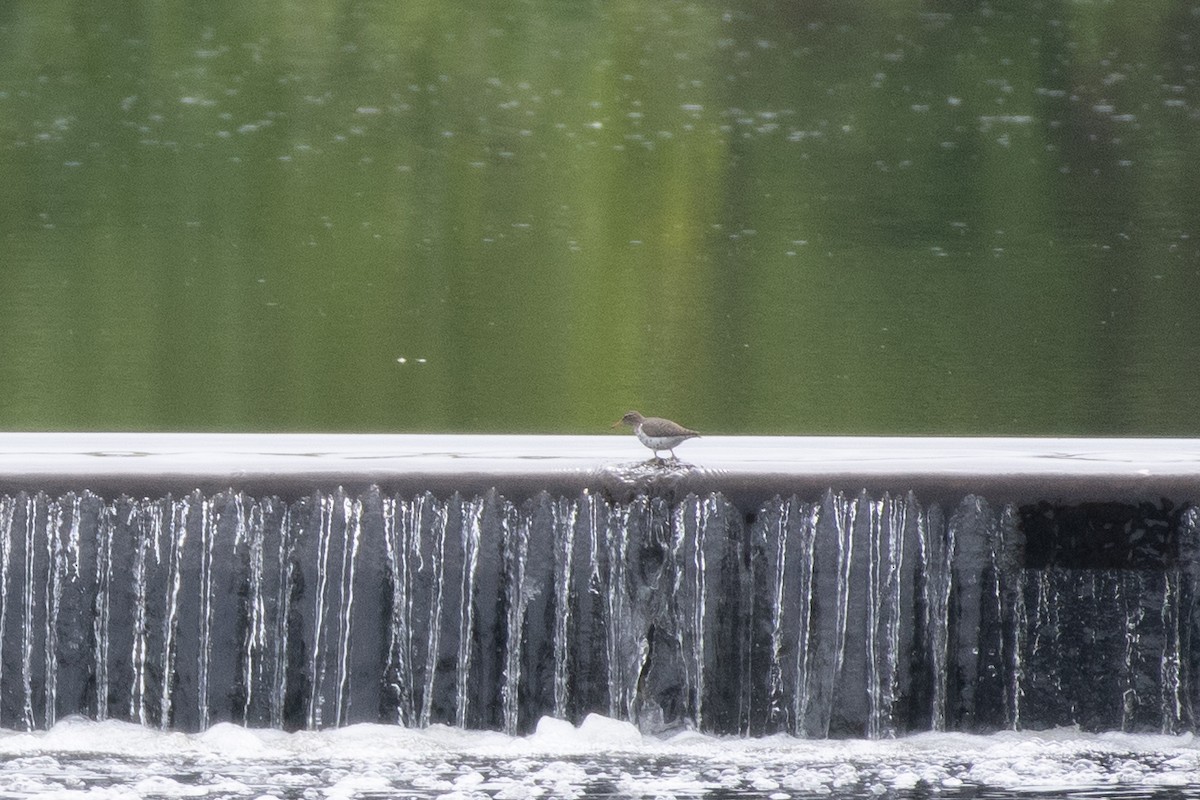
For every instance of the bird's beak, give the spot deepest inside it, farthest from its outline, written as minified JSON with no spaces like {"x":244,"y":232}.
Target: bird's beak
{"x":616,"y":424}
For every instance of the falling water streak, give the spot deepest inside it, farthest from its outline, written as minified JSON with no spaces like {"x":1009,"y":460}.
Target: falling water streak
{"x":1130,"y":700}
{"x":637,"y":635}
{"x":1189,"y":586}
{"x":593,"y":523}
{"x":641,"y":640}
{"x":516,"y":552}
{"x":874,"y":598}
{"x":595,"y":584}
{"x":709,"y":512}
{"x":898,"y":526}
{"x":612,"y":606}
{"x":1039,"y":611}
{"x":565,"y":514}
{"x":643,"y":655}
{"x":146,"y":532}
{"x":56,"y":559}
{"x":1020,"y":636}
{"x":316,"y":660}
{"x":472,"y":511}
{"x":844,"y":514}
{"x":279,"y":682}
{"x":930,"y":550}
{"x":943,"y":623}
{"x":352,"y":527}
{"x":137,"y":654}
{"x":352,"y":534}
{"x":1046,"y":626}
{"x":177,"y":532}
{"x":164,"y":537}
{"x":888,"y":519}
{"x":1172,"y":703}
{"x":899,"y":530}
{"x":399,"y":631}
{"x":620,"y":705}
{"x":937,"y":553}
{"x":658,"y":531}
{"x":73,"y":538}
{"x":995,"y":577}
{"x":208,"y":535}
{"x":7,"y":510}
{"x":250,"y":530}
{"x":105,"y":529}
{"x":804,"y":652}
{"x":253,"y":531}
{"x":685,"y":632}
{"x":438,"y":567}
{"x":27,"y":611}
{"x":781,"y":590}
{"x":712,"y":512}
{"x":1005,"y":608}
{"x":412,"y":562}
{"x":388,"y":515}
{"x":27,"y":615}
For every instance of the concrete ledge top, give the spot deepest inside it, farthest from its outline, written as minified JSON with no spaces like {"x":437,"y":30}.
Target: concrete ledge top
{"x":233,"y":455}
{"x":1017,"y":468}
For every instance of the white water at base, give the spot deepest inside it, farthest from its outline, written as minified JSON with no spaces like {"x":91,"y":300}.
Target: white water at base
{"x":79,"y":760}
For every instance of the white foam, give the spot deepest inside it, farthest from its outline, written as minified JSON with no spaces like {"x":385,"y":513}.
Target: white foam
{"x":159,"y":786}
{"x":604,"y":731}
{"x":79,"y":759}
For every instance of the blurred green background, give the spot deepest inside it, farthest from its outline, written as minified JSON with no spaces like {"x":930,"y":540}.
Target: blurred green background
{"x":530,"y":216}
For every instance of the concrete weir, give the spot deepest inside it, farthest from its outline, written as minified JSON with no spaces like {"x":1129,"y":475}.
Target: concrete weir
{"x":813,"y":586}
{"x":1019,"y":470}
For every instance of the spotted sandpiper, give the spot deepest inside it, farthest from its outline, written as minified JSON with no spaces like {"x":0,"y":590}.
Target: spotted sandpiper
{"x":657,"y":433}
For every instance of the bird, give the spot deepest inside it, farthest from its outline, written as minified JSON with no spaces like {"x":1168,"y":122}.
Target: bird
{"x":657,"y":433}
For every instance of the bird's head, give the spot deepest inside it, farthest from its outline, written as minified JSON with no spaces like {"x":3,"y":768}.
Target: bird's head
{"x":632,"y":419}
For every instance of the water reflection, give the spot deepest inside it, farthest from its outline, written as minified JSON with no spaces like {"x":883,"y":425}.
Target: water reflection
{"x":770,"y":218}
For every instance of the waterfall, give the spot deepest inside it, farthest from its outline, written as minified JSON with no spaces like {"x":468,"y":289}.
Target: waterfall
{"x":837,"y":615}
{"x":564,"y":552}
{"x":516,"y":559}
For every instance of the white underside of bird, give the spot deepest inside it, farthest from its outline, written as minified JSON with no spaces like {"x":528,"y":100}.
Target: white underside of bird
{"x":656,"y":443}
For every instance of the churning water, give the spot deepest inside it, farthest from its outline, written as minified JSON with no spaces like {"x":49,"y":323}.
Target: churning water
{"x":602,"y":758}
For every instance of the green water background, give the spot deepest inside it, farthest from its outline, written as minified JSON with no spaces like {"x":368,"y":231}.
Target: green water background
{"x":530,"y":216}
